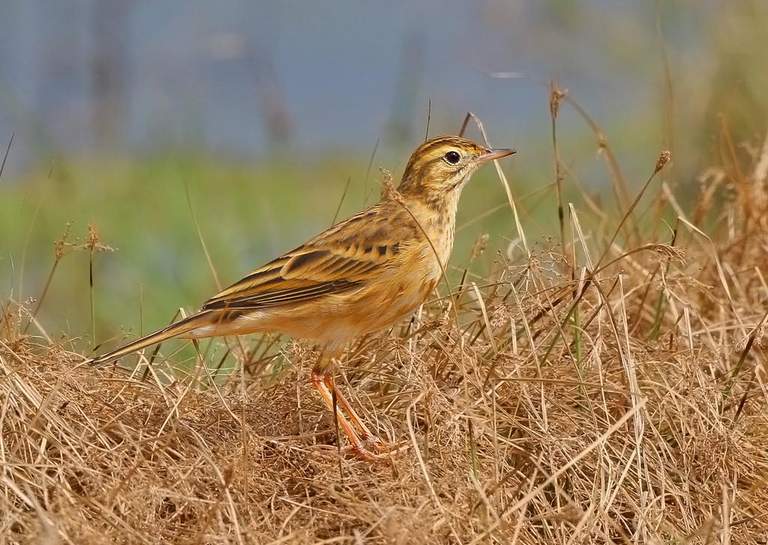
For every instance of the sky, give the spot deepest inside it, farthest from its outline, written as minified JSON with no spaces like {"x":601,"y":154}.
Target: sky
{"x":248,"y":78}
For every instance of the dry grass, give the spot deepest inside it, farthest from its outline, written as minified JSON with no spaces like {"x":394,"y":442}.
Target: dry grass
{"x":611,"y":395}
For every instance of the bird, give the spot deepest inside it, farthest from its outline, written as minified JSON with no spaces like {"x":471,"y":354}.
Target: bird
{"x":359,"y":276}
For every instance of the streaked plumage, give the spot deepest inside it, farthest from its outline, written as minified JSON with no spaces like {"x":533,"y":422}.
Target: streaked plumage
{"x":359,"y":276}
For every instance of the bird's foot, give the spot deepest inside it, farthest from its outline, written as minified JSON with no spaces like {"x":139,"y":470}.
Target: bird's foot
{"x":373,"y":449}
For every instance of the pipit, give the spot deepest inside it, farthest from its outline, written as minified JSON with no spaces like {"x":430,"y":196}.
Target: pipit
{"x":360,"y":276}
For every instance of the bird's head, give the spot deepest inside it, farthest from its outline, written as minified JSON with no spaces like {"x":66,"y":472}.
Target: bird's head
{"x":443,"y":165}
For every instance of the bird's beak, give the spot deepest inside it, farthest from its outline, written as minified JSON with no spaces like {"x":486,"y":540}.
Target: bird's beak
{"x":493,"y":154}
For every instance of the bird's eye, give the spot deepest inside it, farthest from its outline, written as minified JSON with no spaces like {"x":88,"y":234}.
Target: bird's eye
{"x":453,"y":157}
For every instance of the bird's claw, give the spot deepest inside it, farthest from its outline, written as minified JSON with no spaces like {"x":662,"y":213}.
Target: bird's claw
{"x":373,"y":449}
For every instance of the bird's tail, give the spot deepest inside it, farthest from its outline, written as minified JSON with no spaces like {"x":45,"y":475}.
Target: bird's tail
{"x":174,"y":330}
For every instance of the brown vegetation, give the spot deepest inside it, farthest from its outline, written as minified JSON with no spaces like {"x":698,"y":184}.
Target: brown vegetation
{"x":614,"y":394}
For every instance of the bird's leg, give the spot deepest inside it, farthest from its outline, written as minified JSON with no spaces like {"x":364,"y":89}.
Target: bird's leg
{"x":359,"y":445}
{"x":365,"y":434}
{"x":364,"y":443}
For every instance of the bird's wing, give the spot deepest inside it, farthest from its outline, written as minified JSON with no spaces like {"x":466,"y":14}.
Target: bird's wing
{"x":346,"y":257}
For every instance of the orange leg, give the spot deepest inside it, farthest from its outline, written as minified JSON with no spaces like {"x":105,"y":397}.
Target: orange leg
{"x":364,"y":443}
{"x":346,"y":406}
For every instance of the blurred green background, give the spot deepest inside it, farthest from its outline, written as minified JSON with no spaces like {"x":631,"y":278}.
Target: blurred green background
{"x":249,"y":120}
